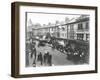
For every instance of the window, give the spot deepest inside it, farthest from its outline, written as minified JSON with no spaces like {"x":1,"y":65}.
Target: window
{"x":80,"y":26}
{"x":72,"y":35}
{"x":80,"y":36}
{"x":87,"y":25}
{"x":52,"y":29}
{"x":65,"y":35}
{"x":87,"y":36}
{"x":62,"y":34}
{"x":71,"y":27}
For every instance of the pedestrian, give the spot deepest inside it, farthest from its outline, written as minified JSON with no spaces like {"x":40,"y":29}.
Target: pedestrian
{"x":34,"y":55}
{"x":32,"y":48}
{"x":50,"y":60}
{"x":27,"y":57}
{"x":40,"y":58}
{"x":45,"y":58}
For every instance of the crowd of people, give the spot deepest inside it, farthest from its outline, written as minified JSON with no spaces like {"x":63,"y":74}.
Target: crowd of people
{"x":75,"y":52}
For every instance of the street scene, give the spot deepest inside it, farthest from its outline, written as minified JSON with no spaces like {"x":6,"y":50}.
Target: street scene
{"x":57,"y":57}
{"x":59,"y":41}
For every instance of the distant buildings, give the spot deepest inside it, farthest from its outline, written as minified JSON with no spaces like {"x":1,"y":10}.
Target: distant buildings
{"x":73,"y":29}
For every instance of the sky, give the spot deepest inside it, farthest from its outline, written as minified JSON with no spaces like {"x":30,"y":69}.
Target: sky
{"x":45,"y":18}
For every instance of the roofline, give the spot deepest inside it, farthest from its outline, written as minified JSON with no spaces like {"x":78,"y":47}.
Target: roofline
{"x":65,"y":24}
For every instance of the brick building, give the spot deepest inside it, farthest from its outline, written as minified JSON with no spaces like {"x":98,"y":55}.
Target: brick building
{"x":77,"y":28}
